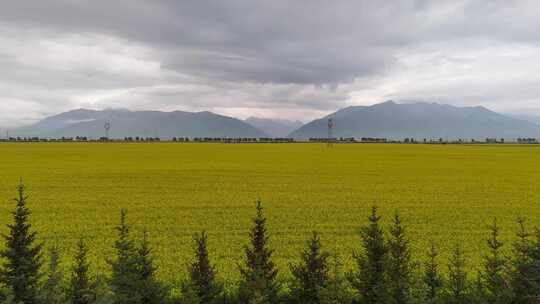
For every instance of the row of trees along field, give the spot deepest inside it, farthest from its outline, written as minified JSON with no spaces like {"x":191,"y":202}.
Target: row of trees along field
{"x":385,"y":271}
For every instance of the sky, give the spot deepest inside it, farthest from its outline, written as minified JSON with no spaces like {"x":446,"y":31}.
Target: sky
{"x":283,"y":59}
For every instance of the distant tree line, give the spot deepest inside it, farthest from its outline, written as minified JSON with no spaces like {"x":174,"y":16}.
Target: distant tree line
{"x":153,"y":139}
{"x":527,"y":140}
{"x":385,"y":271}
{"x":142,"y":139}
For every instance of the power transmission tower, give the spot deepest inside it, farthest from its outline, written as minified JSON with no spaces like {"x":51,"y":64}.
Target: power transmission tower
{"x":107,"y":127}
{"x":330,"y":139}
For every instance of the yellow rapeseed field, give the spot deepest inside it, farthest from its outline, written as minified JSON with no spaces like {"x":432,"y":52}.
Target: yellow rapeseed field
{"x":446,"y":193}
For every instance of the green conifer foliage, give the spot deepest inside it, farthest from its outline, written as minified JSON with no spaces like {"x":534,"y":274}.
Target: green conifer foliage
{"x":432,"y":278}
{"x":310,"y":276}
{"x":520,"y":272}
{"x":81,"y":289}
{"x":150,"y":290}
{"x":338,"y":289}
{"x":259,"y":273}
{"x":400,"y":266}
{"x":202,"y":274}
{"x":458,"y":289}
{"x":22,"y":255}
{"x":124,"y":276}
{"x":52,"y":291}
{"x":370,"y":279}
{"x":494,"y":279}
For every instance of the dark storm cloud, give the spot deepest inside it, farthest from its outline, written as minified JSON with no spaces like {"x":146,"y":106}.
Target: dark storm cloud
{"x":277,"y":41}
{"x":281,"y":41}
{"x":236,"y":55}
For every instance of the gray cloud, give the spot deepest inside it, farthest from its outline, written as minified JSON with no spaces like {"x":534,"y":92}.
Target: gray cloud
{"x":281,"y":42}
{"x":278,"y":57}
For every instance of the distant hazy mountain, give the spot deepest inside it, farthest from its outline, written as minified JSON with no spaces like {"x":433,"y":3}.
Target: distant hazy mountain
{"x":124,"y":123}
{"x":274,"y":127}
{"x":528,"y":117}
{"x":419,"y":120}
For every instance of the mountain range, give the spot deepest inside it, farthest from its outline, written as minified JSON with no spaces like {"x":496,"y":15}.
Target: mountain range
{"x":126,"y":123}
{"x":528,"y":117}
{"x":385,"y":120}
{"x":418,"y":120}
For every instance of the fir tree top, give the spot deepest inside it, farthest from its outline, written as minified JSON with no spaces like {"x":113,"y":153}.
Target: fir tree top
{"x":20,"y":271}
{"x":370,"y":280}
{"x":81,"y":289}
{"x":202,"y":274}
{"x":259,"y":273}
{"x":146,"y":261}
{"x":258,"y":255}
{"x":311,"y":274}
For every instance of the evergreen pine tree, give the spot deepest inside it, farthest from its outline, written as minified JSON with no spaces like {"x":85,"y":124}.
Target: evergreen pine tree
{"x":493,"y":277}
{"x":520,"y":273}
{"x":52,"y":292}
{"x":133,"y":278}
{"x":370,"y":279}
{"x":400,"y":266}
{"x":310,"y":276}
{"x":457,"y":278}
{"x":432,"y":277}
{"x":534,"y":253}
{"x":338,"y":290}
{"x":102,"y":289}
{"x":478,"y":293}
{"x":124,"y":278}
{"x":151,"y":291}
{"x":259,"y":273}
{"x":202,"y":274}
{"x":7,"y":297}
{"x":20,"y":271}
{"x":189,"y":294}
{"x":81,"y":289}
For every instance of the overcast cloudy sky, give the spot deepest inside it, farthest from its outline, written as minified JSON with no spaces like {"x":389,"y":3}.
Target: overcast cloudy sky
{"x":286,"y":59}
